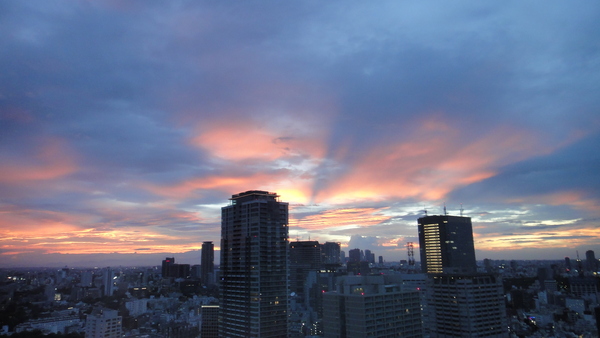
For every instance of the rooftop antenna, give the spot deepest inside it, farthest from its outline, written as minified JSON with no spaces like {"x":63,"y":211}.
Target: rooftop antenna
{"x":461,"y":210}
{"x":445,"y":213}
{"x":425,"y":212}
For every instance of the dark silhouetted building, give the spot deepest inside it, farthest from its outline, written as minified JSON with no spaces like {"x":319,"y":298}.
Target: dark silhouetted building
{"x":446,"y":244}
{"x":305,"y":256}
{"x":354,"y":255}
{"x":591,"y":263}
{"x":165,"y":266}
{"x":207,"y":263}
{"x":210,"y":321}
{"x":254,"y":266}
{"x":330,"y":252}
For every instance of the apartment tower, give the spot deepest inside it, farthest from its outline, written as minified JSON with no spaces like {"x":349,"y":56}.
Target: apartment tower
{"x":254,"y":266}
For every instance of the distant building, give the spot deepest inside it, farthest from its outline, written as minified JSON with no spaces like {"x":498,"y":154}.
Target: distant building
{"x":56,"y":325}
{"x":103,"y":323}
{"x":87,"y":278}
{"x":371,"y":306}
{"x":591,"y":263}
{"x":108,"y":282}
{"x":166,"y":266}
{"x":305,"y":256}
{"x":207,"y":264}
{"x":354,"y":255}
{"x":331,"y":252}
{"x":254,"y":266}
{"x":446,"y":244}
{"x":137,"y":307}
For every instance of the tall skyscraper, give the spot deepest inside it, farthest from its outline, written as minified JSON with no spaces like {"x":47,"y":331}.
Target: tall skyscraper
{"x":254,"y":266}
{"x":446,"y":244}
{"x":460,"y":301}
{"x":207,"y":261}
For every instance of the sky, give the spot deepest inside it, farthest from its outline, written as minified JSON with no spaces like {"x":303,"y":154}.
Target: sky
{"x":125,"y":126}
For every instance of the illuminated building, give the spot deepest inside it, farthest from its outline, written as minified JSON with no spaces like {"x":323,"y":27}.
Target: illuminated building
{"x":446,"y":244}
{"x":207,"y":267}
{"x":460,"y":301}
{"x":254,"y":266}
{"x":371,"y":306}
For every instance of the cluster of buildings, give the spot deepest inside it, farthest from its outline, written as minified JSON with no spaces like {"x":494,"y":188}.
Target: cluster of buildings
{"x":267,"y":286}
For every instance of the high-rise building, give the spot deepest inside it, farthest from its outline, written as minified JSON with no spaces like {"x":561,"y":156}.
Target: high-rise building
{"x":305,"y":256}
{"x":331,"y":252}
{"x":166,"y":263}
{"x":108,"y":282}
{"x":103,"y":323}
{"x":354,"y":255}
{"x":207,"y":267}
{"x":254,"y":266}
{"x":591,"y":263}
{"x":460,"y":301}
{"x":371,"y":306}
{"x":446,"y":244}
{"x":466,"y":305}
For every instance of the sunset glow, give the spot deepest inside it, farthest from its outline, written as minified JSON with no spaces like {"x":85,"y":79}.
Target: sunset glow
{"x":130,"y":145}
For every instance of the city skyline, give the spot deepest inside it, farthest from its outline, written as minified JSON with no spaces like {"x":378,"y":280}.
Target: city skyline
{"x":125,"y":127}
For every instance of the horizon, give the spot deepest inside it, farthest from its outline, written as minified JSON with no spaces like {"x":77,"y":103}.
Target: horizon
{"x":125,"y":127}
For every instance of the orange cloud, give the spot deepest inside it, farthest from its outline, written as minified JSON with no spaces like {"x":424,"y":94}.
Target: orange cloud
{"x":437,"y":160}
{"x":243,"y":139}
{"x":577,"y":199}
{"x":340,"y":218}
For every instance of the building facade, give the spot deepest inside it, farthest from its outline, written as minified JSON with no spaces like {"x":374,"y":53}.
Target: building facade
{"x":331,"y":253}
{"x":371,"y":306}
{"x":466,"y":305}
{"x":103,"y":323}
{"x":254,"y":266}
{"x":446,"y":244}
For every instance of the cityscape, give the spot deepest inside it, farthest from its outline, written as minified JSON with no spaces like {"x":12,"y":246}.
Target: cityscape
{"x":269,"y":286}
{"x":299,"y":169}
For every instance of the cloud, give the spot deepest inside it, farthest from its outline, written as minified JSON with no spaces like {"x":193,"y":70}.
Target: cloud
{"x":126,"y":126}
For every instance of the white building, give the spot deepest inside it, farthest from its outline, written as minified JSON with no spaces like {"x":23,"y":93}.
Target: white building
{"x":104,"y":323}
